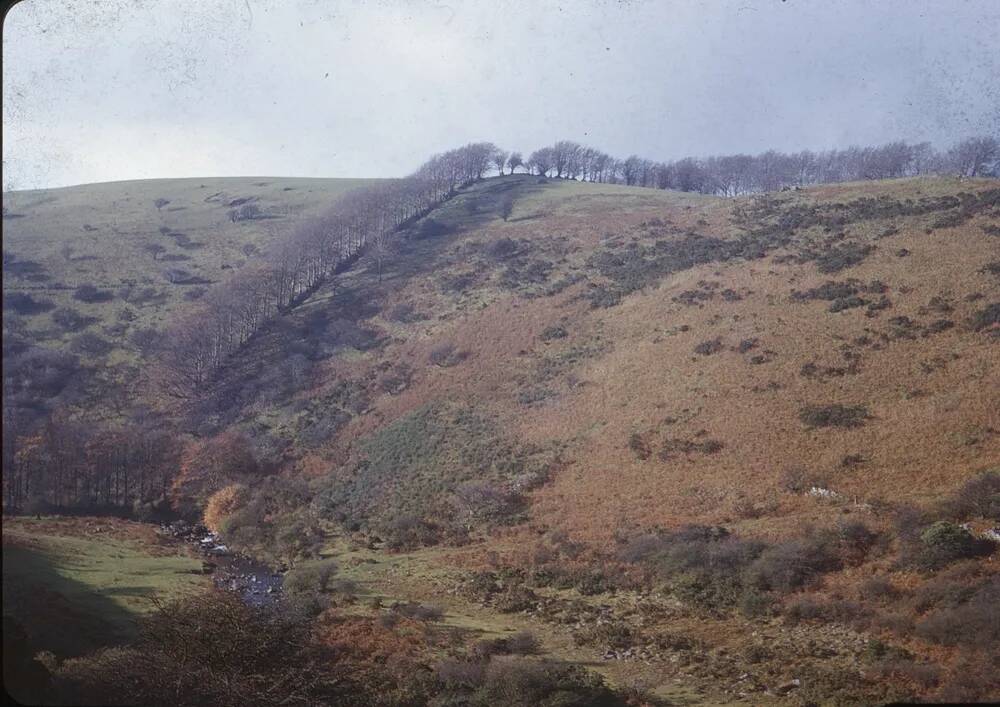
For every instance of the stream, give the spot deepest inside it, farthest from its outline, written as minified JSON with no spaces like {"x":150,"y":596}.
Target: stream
{"x":256,"y":583}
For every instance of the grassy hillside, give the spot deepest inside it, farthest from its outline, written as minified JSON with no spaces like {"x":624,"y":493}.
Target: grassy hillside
{"x":78,"y":584}
{"x":123,"y":238}
{"x":672,"y":348}
{"x":710,"y":446}
{"x":95,"y":270}
{"x":805,"y":370}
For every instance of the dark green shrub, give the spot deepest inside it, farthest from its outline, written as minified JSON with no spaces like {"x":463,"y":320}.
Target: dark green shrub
{"x":502,"y":248}
{"x":937,"y":326}
{"x":606,"y":634}
{"x":521,"y":643}
{"x":516,"y":598}
{"x":602,"y":296}
{"x":843,"y":303}
{"x":986,"y":318}
{"x":90,"y":293}
{"x":90,"y":344}
{"x":71,"y":320}
{"x":26,"y":304}
{"x":799,"y":480}
{"x":877,"y":589}
{"x":673,"y":446}
{"x":420,"y":612}
{"x":553,"y":332}
{"x":706,"y":348}
{"x":446,"y":355}
{"x":431,"y":228}
{"x":835,"y":415}
{"x":843,"y":256}
{"x":637,"y":443}
{"x":943,"y":542}
{"x":405,"y":313}
{"x":408,"y":532}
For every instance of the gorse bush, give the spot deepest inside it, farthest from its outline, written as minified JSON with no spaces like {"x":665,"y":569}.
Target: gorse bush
{"x":26,"y":304}
{"x":942,"y":543}
{"x":842,"y":257}
{"x":521,"y":643}
{"x":71,"y":320}
{"x":792,"y":564}
{"x":701,"y":565}
{"x":706,"y":348}
{"x":835,"y":415}
{"x":986,"y":318}
{"x":90,"y":293}
{"x":420,"y":612}
{"x":431,"y":228}
{"x":446,"y":355}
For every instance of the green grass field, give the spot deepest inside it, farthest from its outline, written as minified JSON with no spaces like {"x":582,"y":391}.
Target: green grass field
{"x":78,"y":584}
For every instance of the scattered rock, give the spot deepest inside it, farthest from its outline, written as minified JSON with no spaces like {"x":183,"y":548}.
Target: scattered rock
{"x":786,"y":687}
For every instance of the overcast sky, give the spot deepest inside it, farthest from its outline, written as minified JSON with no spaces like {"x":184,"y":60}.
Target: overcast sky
{"x":129,"y":89}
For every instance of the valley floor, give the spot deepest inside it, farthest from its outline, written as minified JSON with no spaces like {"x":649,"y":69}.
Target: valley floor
{"x":76,"y":584}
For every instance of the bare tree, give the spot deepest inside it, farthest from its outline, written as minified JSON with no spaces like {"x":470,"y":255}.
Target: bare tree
{"x":541,"y":161}
{"x":514,"y":161}
{"x":974,"y":156}
{"x":500,"y":158}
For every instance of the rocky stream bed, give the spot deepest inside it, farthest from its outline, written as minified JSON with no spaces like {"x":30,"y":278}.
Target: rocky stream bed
{"x":256,"y":583}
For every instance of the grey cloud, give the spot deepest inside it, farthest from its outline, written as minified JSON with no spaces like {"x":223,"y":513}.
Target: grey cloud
{"x":162,"y":88}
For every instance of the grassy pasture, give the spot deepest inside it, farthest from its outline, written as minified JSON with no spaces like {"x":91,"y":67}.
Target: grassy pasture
{"x":79,"y":583}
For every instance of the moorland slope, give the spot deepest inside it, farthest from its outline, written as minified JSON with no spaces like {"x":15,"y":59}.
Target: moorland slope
{"x":721,"y":443}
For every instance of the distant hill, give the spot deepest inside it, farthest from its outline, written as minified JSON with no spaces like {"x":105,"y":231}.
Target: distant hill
{"x":94,"y":270}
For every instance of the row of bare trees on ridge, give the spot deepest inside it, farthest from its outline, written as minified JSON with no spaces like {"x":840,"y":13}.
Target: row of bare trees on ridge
{"x":203,"y":337}
{"x":734,"y":175}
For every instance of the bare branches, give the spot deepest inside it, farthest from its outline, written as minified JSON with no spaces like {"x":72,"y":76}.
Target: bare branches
{"x":200,"y":340}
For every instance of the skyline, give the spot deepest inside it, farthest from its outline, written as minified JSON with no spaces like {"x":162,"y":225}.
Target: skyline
{"x":350,"y":89}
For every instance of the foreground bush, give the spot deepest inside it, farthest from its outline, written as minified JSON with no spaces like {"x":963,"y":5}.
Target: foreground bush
{"x":515,"y":681}
{"x":211,"y":650}
{"x":974,"y":622}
